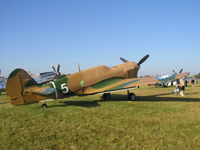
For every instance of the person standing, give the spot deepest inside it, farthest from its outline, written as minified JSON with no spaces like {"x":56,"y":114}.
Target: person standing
{"x":182,"y":85}
{"x":192,"y":82}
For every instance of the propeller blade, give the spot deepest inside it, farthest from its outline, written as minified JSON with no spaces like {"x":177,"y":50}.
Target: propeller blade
{"x":143,"y":60}
{"x":180,"y":70}
{"x":54,"y":69}
{"x":79,"y":68}
{"x":58,"y":68}
{"x":123,"y":60}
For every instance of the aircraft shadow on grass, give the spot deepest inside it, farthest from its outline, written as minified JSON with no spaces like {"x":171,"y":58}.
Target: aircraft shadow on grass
{"x":3,"y":103}
{"x":118,"y":97}
{"x":167,"y":99}
{"x":156,"y":98}
{"x":92,"y":103}
{"x":78,"y":103}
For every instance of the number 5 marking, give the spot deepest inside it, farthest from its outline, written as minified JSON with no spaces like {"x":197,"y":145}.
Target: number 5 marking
{"x":64,"y":88}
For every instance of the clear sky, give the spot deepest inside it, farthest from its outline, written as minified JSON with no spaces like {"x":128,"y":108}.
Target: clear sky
{"x":34,"y":34}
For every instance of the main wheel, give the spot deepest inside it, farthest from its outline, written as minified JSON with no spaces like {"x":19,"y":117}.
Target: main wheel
{"x":44,"y":106}
{"x":106,"y":96}
{"x":131,"y":96}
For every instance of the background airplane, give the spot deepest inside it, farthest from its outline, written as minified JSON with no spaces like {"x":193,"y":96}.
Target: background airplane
{"x":46,"y":76}
{"x":2,"y":83}
{"x":169,"y":79}
{"x":22,"y":89}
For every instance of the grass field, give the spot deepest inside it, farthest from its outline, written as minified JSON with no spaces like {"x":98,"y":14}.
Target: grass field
{"x":157,"y":120}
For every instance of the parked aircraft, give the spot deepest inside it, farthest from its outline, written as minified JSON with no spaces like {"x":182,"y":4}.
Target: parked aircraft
{"x":44,"y":77}
{"x":2,"y":83}
{"x":22,"y":89}
{"x":169,"y":79}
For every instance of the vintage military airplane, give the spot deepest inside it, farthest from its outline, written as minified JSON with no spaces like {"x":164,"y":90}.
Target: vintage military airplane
{"x":22,"y":89}
{"x":169,"y":79}
{"x":2,"y":83}
{"x":44,"y":77}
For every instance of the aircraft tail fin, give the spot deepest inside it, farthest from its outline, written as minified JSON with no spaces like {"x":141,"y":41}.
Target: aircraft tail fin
{"x":17,"y":82}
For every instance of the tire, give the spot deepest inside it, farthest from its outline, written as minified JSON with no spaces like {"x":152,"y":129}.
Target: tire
{"x":44,"y":106}
{"x":132,"y":97}
{"x":106,"y":96}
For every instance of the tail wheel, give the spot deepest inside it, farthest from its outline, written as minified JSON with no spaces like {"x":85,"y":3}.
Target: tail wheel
{"x":132,"y":97}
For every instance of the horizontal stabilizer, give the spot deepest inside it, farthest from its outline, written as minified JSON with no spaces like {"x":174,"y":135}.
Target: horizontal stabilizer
{"x":44,"y":91}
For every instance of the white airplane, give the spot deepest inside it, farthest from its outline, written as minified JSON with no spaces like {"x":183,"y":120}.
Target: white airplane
{"x":2,"y":83}
{"x":169,"y":79}
{"x":46,"y":76}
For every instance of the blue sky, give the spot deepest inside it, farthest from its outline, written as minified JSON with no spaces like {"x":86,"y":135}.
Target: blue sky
{"x":34,"y":34}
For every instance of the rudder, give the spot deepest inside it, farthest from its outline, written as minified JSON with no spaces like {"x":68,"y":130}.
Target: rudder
{"x":17,"y":82}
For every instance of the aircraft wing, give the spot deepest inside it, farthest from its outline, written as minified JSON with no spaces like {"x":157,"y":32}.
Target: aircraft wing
{"x":181,"y":75}
{"x":117,"y":84}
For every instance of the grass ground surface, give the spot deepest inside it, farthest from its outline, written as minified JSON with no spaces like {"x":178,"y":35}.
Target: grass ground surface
{"x":157,"y":120}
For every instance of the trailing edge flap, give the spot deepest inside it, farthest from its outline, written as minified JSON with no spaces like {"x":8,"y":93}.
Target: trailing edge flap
{"x":43,"y":91}
{"x":119,"y":85}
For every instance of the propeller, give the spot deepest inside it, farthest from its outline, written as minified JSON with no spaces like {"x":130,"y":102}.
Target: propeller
{"x":58,"y":69}
{"x":139,"y":63}
{"x":176,"y":72}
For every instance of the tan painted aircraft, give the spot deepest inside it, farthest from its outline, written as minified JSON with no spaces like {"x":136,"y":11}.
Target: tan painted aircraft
{"x":22,"y":89}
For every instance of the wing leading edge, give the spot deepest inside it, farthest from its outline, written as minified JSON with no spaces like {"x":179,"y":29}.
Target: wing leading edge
{"x":118,"y":84}
{"x":112,"y":85}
